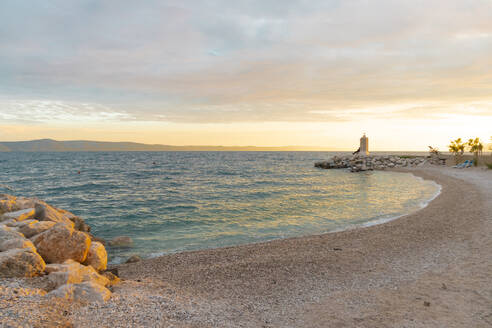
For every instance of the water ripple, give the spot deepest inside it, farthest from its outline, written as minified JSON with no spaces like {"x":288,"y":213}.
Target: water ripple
{"x":194,"y":200}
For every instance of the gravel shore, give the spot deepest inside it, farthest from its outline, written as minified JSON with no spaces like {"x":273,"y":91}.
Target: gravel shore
{"x":427,"y":269}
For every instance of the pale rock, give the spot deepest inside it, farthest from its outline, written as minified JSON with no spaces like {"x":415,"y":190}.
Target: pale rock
{"x":20,"y":263}
{"x":85,"y":292}
{"x":7,"y":233}
{"x":8,"y":223}
{"x":19,"y":215}
{"x":10,"y":203}
{"x":67,"y":214}
{"x":71,"y":272}
{"x":7,"y":203}
{"x":113,"y":279}
{"x":98,"y":239}
{"x":62,"y":242}
{"x":134,"y":259}
{"x":45,"y":212}
{"x":97,"y":257}
{"x":40,"y":211}
{"x":79,"y":223}
{"x":35,"y":228}
{"x":121,"y":241}
{"x":17,"y":243}
{"x":16,"y":224}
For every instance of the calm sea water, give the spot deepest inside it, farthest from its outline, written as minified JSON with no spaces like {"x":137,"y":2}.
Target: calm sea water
{"x":175,"y":201}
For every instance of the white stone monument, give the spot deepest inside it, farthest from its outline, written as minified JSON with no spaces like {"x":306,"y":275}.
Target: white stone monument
{"x":364,"y":145}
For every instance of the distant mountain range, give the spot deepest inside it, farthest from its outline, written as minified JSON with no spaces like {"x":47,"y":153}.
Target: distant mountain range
{"x":49,"y":145}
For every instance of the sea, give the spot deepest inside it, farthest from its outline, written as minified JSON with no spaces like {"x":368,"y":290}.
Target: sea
{"x":171,"y":202}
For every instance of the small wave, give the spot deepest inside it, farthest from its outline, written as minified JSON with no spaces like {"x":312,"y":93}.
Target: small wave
{"x":261,"y":194}
{"x":137,"y":175}
{"x":265,"y":182}
{"x":388,"y":219}
{"x":159,"y":254}
{"x":437,"y":193}
{"x":172,"y":251}
{"x":179,"y":207}
{"x":221,"y":172}
{"x":82,"y":187}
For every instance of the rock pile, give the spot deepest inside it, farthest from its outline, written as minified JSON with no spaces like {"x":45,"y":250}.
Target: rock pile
{"x":38,"y":239}
{"x":358,"y":162}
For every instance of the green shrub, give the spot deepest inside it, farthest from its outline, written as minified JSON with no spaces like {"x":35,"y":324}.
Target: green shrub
{"x":489,"y":165}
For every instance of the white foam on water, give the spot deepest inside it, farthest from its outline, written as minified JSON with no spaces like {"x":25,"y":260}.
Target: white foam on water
{"x":422,"y":205}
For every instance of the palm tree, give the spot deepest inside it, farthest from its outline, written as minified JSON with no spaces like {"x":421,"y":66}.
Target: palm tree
{"x":457,"y":147}
{"x":475,"y":147}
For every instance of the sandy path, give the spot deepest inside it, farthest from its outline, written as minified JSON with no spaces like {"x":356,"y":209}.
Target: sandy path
{"x":428,"y":269}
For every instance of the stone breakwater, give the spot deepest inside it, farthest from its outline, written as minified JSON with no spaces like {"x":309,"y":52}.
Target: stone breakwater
{"x":37,"y":239}
{"x":357,"y":163}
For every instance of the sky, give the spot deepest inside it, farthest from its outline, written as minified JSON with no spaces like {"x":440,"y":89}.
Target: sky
{"x":314,"y":73}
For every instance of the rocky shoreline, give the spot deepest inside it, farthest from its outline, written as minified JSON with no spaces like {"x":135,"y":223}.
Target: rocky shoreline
{"x":37,"y":239}
{"x":359,"y":162}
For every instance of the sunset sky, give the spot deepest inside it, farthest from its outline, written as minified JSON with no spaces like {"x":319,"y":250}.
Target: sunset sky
{"x":266,"y":73}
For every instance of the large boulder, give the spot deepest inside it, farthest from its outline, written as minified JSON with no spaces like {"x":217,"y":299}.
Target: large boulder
{"x":71,"y":272}
{"x":10,"y":203}
{"x":98,"y":239}
{"x":7,"y":203}
{"x":88,"y":292}
{"x":62,"y":242}
{"x":19,"y":215}
{"x":7,"y":235}
{"x":16,"y":224}
{"x":17,"y":243}
{"x":79,"y":223}
{"x":6,"y":224}
{"x":45,"y":212}
{"x":35,"y":227}
{"x":97,"y":257}
{"x":20,"y":263}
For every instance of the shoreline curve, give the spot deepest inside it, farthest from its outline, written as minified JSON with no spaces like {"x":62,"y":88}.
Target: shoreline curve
{"x":369,"y":223}
{"x":312,"y":280}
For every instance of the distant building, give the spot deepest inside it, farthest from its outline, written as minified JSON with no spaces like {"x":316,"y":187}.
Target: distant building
{"x":364,"y":145}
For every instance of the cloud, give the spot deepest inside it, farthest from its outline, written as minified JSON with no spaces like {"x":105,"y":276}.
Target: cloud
{"x":243,"y":61}
{"x":49,"y":111}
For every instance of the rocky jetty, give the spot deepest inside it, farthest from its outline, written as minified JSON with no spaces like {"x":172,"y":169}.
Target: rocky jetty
{"x":37,"y":239}
{"x":357,"y":163}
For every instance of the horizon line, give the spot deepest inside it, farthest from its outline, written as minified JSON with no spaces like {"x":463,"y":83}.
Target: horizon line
{"x":287,"y":147}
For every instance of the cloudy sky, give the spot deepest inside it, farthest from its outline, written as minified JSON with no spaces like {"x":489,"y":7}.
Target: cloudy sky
{"x":257,"y":72}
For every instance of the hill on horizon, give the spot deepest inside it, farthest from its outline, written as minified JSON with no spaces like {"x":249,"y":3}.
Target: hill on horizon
{"x":50,"y":145}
